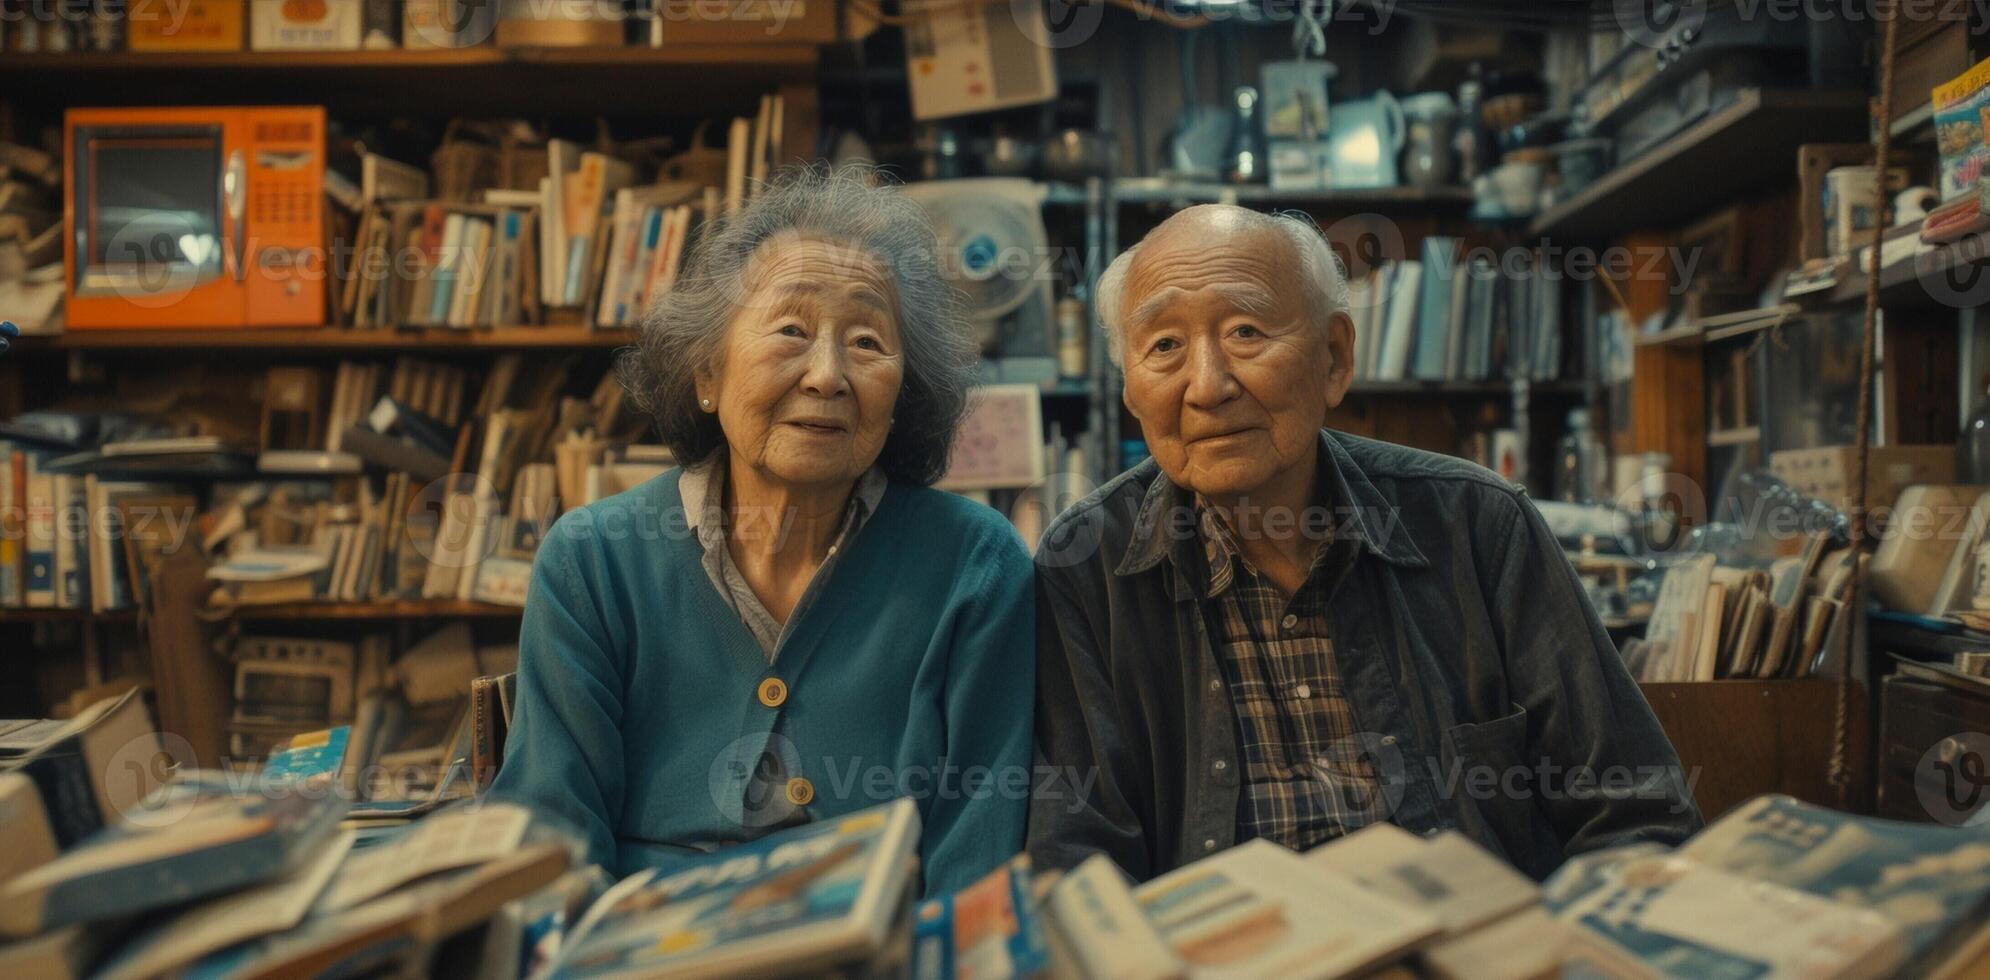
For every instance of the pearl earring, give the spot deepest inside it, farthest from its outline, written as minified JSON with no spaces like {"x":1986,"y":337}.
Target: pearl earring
{"x":705,"y":402}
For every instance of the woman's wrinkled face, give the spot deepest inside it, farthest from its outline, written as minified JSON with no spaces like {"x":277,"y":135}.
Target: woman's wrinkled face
{"x":810,"y":367}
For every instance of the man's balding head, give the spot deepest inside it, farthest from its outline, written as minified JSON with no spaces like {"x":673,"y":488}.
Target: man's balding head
{"x":1231,"y":329}
{"x":1208,"y":229}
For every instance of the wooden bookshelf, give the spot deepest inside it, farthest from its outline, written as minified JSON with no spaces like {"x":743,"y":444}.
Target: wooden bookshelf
{"x":1458,"y":389}
{"x":295,"y":612}
{"x":482,"y":79}
{"x":1734,"y":149}
{"x":289,"y":340}
{"x":769,"y":57}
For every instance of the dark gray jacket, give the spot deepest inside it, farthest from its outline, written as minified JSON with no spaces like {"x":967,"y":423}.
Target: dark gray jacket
{"x":1488,"y":695}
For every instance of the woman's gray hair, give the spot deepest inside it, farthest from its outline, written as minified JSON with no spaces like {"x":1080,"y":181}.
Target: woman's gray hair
{"x":1324,"y":279}
{"x":683,"y":334}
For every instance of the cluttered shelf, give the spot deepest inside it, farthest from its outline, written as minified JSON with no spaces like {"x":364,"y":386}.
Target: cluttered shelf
{"x":768,"y":56}
{"x":603,"y":56}
{"x":1950,"y":274}
{"x":483,"y":80}
{"x":1159,"y":191}
{"x":1723,"y":326}
{"x":1462,"y":388}
{"x":1732,"y":150}
{"x":333,"y":338}
{"x":295,"y":612}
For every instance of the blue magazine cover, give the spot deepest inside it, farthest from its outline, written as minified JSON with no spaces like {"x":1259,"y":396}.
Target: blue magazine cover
{"x":1932,"y":880}
{"x":819,"y":894}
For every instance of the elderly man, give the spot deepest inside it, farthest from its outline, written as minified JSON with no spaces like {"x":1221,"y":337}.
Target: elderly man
{"x":1275,"y":630}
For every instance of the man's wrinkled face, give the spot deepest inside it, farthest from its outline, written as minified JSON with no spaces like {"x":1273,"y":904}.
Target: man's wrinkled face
{"x":1228,"y":372}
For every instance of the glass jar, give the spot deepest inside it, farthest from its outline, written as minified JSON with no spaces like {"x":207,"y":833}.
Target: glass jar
{"x":1428,"y":157}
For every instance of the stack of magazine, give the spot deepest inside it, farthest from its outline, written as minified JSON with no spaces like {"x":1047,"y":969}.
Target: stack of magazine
{"x":275,"y":874}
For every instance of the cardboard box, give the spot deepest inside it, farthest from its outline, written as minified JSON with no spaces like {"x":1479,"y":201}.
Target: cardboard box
{"x":203,"y":25}
{"x":1826,"y":472}
{"x":304,"y":25}
{"x":744,"y":22}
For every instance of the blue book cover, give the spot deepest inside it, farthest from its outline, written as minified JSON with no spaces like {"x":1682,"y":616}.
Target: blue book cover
{"x":989,"y":929}
{"x":1680,"y":918}
{"x":816,"y":895}
{"x":1440,"y":263}
{"x":205,"y":833}
{"x":308,"y":756}
{"x":1931,"y":879}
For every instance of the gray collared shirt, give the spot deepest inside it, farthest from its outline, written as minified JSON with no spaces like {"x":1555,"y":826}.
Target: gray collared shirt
{"x":703,"y":489}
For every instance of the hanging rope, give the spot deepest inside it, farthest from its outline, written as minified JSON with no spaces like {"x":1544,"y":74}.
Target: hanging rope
{"x":1841,"y":735}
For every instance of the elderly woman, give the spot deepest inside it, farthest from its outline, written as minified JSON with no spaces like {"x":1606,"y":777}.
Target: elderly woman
{"x":794,"y":625}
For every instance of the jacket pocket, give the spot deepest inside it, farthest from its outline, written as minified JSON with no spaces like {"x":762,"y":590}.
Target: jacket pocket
{"x":1494,"y":790}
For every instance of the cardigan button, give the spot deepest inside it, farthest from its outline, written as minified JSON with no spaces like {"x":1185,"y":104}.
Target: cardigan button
{"x":773,"y":692}
{"x":800,"y":791}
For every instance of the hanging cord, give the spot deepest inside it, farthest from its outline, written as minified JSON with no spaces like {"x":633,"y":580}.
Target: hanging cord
{"x":1841,"y":736}
{"x":1309,"y":30}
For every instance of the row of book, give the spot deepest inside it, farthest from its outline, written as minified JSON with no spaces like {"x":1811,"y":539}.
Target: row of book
{"x":1453,"y":315}
{"x":352,"y":25}
{"x":30,"y":236}
{"x":1714,"y":622}
{"x":391,"y":482}
{"x":301,"y":880}
{"x":589,"y":238}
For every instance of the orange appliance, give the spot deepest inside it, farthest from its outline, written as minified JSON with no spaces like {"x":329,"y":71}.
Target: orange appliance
{"x":195,"y":217}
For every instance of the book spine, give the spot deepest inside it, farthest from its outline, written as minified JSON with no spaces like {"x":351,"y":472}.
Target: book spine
{"x":40,"y":515}
{"x":61,"y":774}
{"x":12,"y":532}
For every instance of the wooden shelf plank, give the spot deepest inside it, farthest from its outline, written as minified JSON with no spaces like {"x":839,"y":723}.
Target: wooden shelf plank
{"x":1150,"y":190}
{"x":277,"y":340}
{"x":483,"y":80}
{"x":1955,"y":275}
{"x":386,"y":609}
{"x":296,"y":612}
{"x":766,"y":56}
{"x":1501,"y":389}
{"x":1747,"y":143}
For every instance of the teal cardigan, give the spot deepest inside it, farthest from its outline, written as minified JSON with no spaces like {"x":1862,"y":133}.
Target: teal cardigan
{"x":642,"y":699}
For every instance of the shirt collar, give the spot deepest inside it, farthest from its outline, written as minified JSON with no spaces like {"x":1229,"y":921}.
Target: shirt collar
{"x":702,"y":485}
{"x":1360,"y":514}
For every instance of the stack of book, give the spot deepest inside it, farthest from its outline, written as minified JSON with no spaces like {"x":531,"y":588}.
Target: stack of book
{"x":440,"y":264}
{"x":1778,"y":888}
{"x":1712,"y":622}
{"x":30,"y":238}
{"x":1452,"y":315}
{"x":265,"y":874}
{"x":280,"y":873}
